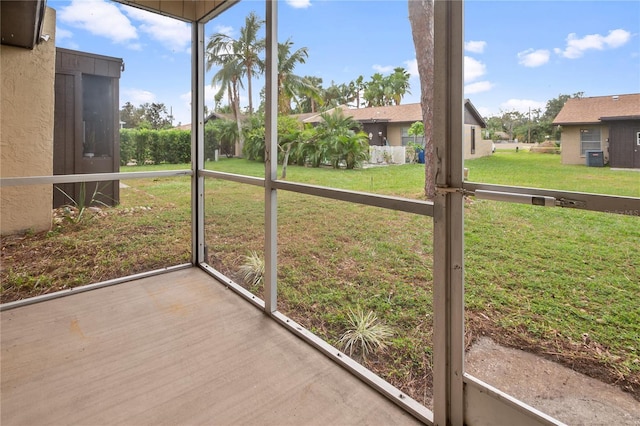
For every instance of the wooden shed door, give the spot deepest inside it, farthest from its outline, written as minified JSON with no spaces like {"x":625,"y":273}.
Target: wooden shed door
{"x":64,"y":130}
{"x":624,"y":145}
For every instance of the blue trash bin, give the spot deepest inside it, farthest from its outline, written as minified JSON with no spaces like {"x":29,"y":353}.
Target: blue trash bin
{"x":421,"y":156}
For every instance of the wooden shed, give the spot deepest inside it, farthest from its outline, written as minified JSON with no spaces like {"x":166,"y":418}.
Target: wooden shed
{"x":86,"y":130}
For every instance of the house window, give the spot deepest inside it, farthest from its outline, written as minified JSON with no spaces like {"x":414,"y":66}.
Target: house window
{"x":473,"y":140}
{"x":589,"y":139}
{"x":406,"y":138}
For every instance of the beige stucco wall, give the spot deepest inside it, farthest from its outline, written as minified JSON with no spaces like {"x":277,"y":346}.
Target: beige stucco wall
{"x":570,"y":144}
{"x":26,"y":131}
{"x":483,"y":146}
{"x":394,"y":134}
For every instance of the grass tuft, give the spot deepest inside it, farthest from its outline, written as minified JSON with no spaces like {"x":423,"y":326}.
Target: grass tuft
{"x":252,"y":269}
{"x":365,"y":333}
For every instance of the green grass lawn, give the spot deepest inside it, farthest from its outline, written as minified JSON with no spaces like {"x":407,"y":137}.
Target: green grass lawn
{"x":559,"y":282}
{"x":545,"y":171}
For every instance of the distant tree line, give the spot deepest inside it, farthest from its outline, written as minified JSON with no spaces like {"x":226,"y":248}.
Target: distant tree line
{"x":530,"y":127}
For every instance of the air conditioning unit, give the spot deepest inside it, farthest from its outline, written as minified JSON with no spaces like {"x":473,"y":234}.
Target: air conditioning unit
{"x":595,"y":158}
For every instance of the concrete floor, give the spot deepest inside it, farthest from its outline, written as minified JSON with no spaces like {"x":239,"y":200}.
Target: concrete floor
{"x":178,"y":348}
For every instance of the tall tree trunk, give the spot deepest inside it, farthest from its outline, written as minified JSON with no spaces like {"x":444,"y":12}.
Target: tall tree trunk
{"x":249,"y":91}
{"x":421,"y":18}
{"x":236,"y":113}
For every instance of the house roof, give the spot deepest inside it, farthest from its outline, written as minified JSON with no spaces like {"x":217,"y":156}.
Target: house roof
{"x":186,"y":10}
{"x":596,"y":109}
{"x":407,"y":113}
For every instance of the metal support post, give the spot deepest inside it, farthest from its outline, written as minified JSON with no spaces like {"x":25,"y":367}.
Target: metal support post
{"x":271,"y":159}
{"x":448,"y":231}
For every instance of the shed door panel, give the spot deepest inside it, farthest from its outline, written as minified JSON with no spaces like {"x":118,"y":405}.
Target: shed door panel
{"x":624,"y":150}
{"x":64,"y":135}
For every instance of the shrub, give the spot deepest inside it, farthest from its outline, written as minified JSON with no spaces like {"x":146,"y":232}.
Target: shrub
{"x":159,"y":146}
{"x":252,"y":269}
{"x":365,"y":333}
{"x":547,"y":147}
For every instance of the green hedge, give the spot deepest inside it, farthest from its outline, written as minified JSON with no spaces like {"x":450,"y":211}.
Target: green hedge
{"x":161,"y":146}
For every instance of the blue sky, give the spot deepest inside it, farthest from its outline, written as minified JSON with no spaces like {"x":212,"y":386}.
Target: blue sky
{"x":518,"y":54}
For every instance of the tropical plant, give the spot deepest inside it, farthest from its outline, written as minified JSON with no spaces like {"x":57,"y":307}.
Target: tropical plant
{"x":355,"y":149}
{"x":342,"y":139}
{"x":416,"y":130}
{"x":364,"y":334}
{"x":291,"y":86}
{"x":311,"y":97}
{"x":398,"y":84}
{"x":244,"y":51}
{"x":337,"y":122}
{"x":310,"y":149}
{"x":226,"y":132}
{"x":229,"y":79}
{"x":374,"y":91}
{"x":252,"y":269}
{"x":75,"y":210}
{"x":254,"y":138}
{"x":358,"y":85}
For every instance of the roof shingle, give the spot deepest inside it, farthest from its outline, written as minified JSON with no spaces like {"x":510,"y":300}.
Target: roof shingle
{"x":407,"y":113}
{"x":594,"y":109}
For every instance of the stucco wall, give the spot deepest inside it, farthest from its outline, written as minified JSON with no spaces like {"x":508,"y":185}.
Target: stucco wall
{"x":26,"y":136}
{"x":570,"y":144}
{"x":394,"y":134}
{"x":483,"y":147}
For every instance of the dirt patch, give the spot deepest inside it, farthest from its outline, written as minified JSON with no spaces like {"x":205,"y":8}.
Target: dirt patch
{"x":586,"y":357}
{"x":562,"y":393}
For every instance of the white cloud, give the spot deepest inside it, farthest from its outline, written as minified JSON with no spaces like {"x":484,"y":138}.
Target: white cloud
{"x":173,"y":34}
{"x":99,"y":18}
{"x":299,"y":4}
{"x":473,"y":69}
{"x":522,"y":105}
{"x":475,"y":46}
{"x":224,"y":29}
{"x":64,"y":38}
{"x":383,"y":69}
{"x":533,"y":58}
{"x":577,"y":46}
{"x":478,"y":87}
{"x":484,"y":111}
{"x":62,"y":34}
{"x":137,"y":97}
{"x":412,"y":68}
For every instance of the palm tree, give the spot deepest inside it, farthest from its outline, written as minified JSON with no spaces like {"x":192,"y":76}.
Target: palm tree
{"x":248,"y":47}
{"x":229,"y":79}
{"x":291,"y":86}
{"x":245,"y":50}
{"x":359,"y":88}
{"x":398,"y":84}
{"x":337,"y":123}
{"x":343,"y":139}
{"x":311,"y":99}
{"x":374,"y":91}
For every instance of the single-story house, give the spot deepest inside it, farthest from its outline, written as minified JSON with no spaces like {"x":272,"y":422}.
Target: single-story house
{"x":389,"y":125}
{"x":610,"y":124}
